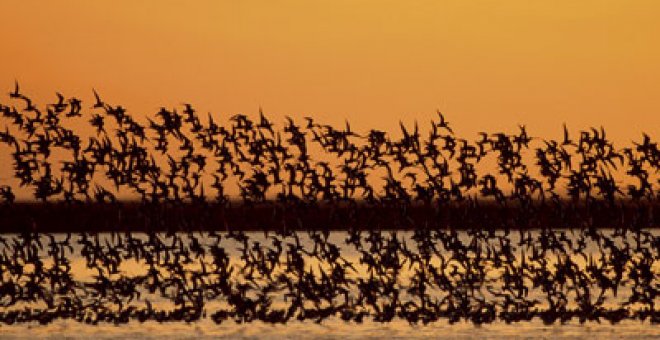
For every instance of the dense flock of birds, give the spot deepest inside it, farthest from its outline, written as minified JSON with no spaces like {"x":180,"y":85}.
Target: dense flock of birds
{"x":421,"y":277}
{"x":181,"y":157}
{"x":75,"y":155}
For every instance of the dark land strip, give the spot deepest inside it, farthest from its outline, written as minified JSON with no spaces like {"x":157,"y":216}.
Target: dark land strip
{"x":135,"y":216}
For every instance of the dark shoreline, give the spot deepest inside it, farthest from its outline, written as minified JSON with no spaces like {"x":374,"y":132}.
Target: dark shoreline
{"x":136,"y":216}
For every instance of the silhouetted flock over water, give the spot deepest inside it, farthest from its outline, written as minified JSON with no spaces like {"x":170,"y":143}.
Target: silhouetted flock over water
{"x":550,"y":229}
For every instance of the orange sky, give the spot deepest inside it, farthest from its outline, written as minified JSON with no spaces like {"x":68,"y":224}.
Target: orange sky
{"x":488,"y":65}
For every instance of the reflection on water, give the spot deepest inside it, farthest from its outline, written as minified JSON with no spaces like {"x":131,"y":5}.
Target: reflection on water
{"x":335,"y":328}
{"x":560,"y":283}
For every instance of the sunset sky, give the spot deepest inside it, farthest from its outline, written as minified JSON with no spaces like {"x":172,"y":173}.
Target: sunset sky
{"x":487,"y":65}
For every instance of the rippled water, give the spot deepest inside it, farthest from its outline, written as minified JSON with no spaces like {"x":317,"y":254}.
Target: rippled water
{"x":332,"y":327}
{"x":335,"y":328}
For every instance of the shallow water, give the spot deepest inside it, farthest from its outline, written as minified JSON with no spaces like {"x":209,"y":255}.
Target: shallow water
{"x":334,"y":329}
